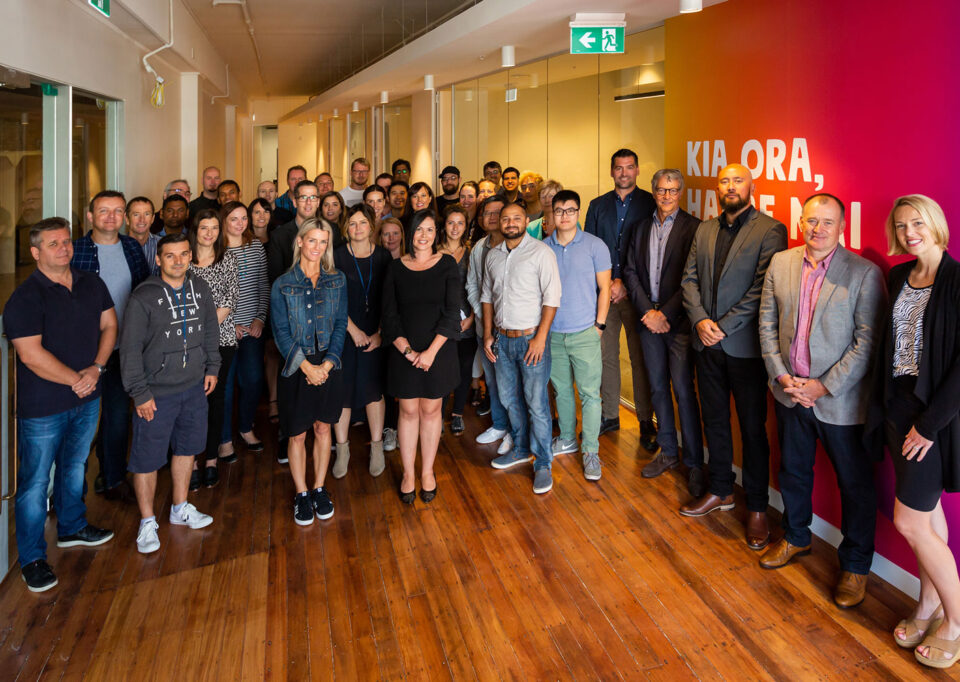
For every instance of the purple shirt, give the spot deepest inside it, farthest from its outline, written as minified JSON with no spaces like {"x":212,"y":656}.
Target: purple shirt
{"x":811,"y":281}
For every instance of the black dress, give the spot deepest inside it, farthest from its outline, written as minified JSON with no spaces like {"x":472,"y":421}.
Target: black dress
{"x":363,"y":371}
{"x":419,"y":305}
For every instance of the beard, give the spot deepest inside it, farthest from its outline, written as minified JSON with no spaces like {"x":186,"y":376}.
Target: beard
{"x":733,"y":204}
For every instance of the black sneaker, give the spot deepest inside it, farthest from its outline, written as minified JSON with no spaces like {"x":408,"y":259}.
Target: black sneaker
{"x":484,"y":407}
{"x":648,"y":436}
{"x":195,"y":479}
{"x":322,"y":504}
{"x":99,"y":485}
{"x":38,"y":576}
{"x":89,"y":536}
{"x":282,"y":451}
{"x":302,"y":509}
{"x":456,"y":425}
{"x":607,"y":425}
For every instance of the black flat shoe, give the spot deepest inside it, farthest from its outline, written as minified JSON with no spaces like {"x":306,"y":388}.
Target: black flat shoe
{"x":408,"y":498}
{"x":255,"y":446}
{"x":211,"y":476}
{"x":195,"y":480}
{"x":427,"y":495}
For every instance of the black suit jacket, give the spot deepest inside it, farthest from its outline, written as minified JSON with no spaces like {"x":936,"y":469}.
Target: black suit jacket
{"x":602,"y":221}
{"x":636,"y":274}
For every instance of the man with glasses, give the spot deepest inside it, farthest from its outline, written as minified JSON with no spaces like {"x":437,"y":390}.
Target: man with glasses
{"x":614,"y":217}
{"x":280,"y":246}
{"x":288,"y":200}
{"x":324,"y":183}
{"x":450,"y":184}
{"x":120,"y":263}
{"x":359,"y":174}
{"x":209,"y":199}
{"x":584,"y":264}
{"x":401,"y":171}
{"x":492,"y":171}
{"x":655,"y":262}
{"x":521,"y":294}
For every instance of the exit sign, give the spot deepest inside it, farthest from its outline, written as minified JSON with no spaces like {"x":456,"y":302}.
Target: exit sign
{"x":102,"y":6}
{"x":595,"y":39}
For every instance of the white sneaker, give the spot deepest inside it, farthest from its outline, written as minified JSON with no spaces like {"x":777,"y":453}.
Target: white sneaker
{"x":147,"y":540}
{"x":189,"y":516}
{"x":491,"y":435}
{"x":506,"y":446}
{"x":389,"y":440}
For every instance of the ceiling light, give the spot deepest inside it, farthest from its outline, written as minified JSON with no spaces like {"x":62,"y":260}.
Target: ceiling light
{"x":384,"y":97}
{"x":320,"y":118}
{"x":639,"y":95}
{"x":688,"y":6}
{"x":428,"y":82}
{"x":508,"y":57}
{"x":336,"y":113}
{"x":356,"y":106}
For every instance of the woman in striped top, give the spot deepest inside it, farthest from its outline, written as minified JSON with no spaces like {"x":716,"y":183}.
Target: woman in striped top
{"x":253,"y":299}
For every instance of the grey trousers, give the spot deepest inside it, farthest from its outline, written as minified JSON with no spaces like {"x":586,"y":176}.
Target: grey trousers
{"x":623,"y":314}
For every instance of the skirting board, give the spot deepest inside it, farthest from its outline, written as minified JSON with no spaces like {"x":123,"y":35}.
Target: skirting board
{"x":882,"y":567}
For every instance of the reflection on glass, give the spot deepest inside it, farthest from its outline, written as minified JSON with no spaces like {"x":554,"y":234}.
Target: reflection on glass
{"x":89,"y":155}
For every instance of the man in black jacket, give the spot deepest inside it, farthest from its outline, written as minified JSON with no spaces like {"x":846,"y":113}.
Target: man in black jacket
{"x":614,"y":217}
{"x":280,"y":246}
{"x":655,"y":263}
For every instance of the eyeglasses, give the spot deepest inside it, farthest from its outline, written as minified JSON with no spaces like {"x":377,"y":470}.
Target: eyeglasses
{"x":181,"y":191}
{"x":491,"y":214}
{"x":560,"y":212}
{"x":449,"y":177}
{"x":528,"y":185}
{"x":672,"y":191}
{"x":308,"y":197}
{"x":402,"y":171}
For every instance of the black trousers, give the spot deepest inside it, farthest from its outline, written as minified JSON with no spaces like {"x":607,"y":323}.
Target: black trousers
{"x":719,"y":375}
{"x":466,"y":349}
{"x":215,"y":403}
{"x":799,"y":430}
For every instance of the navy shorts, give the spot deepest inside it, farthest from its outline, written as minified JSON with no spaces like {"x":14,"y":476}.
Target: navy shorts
{"x":179,"y":425}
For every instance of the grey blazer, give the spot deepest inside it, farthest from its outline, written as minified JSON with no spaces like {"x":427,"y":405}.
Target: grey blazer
{"x":738,"y":296}
{"x":847,"y":323}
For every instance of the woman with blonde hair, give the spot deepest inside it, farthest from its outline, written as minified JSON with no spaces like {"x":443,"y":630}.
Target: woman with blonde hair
{"x":530,"y":184}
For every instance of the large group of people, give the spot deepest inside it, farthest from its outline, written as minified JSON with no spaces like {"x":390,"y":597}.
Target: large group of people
{"x":394,"y":305}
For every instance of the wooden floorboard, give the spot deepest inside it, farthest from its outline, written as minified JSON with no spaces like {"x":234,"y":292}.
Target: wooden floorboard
{"x":592,"y":581}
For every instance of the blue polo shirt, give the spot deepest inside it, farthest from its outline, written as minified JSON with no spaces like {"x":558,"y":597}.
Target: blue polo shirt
{"x":579,"y":262}
{"x":68,"y":323}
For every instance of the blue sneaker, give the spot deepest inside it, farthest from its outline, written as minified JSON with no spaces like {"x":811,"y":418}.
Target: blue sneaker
{"x":510,"y":459}
{"x":542,"y":481}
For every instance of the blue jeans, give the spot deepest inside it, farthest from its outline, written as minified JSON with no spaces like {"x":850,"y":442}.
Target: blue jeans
{"x":246,"y":373}
{"x":669,"y":360}
{"x":497,"y":413}
{"x":514,"y":377}
{"x":114,"y":434}
{"x":63,"y":438}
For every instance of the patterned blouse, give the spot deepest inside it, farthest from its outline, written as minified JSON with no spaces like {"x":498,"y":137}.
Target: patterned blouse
{"x":222,"y":279}
{"x":908,"y":312}
{"x":253,"y":300}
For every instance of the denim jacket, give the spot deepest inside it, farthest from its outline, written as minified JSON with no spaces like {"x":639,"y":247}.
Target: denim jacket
{"x":307,"y":318}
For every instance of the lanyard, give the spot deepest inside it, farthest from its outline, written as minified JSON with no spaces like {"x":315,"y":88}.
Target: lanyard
{"x":366,"y":286}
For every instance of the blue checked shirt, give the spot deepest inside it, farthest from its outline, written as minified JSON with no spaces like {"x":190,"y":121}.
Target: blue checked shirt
{"x":85,"y":257}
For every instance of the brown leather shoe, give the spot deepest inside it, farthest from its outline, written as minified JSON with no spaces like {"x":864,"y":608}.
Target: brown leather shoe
{"x":851,"y":589}
{"x":781,"y":553}
{"x":707,"y":504}
{"x":758,"y":531}
{"x":659,"y":464}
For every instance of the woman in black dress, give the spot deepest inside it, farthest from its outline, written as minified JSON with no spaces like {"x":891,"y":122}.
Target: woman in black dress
{"x":921,"y":399}
{"x":308,"y":306}
{"x":421,"y":303}
{"x":332,"y":210}
{"x":364,"y":264}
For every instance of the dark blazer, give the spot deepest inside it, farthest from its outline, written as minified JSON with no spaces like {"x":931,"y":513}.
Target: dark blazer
{"x":636,"y":274}
{"x":602,"y":221}
{"x":280,"y":249}
{"x":741,"y":281}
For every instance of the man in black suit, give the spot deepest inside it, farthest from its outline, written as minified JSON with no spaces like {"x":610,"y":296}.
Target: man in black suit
{"x":655,"y":263}
{"x":613,"y":217}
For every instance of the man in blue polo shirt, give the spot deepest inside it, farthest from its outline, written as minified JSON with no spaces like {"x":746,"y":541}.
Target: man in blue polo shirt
{"x":584,"y":263}
{"x":62,"y":324}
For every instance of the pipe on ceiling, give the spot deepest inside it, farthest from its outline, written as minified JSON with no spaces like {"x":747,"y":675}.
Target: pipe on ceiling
{"x":249,"y":22}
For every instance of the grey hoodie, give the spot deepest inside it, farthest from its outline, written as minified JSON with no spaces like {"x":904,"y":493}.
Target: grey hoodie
{"x":169,"y":342}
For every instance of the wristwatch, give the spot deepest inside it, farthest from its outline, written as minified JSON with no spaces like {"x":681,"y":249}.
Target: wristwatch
{"x":100,"y":368}
{"x":407,"y":351}
{"x":600,"y":325}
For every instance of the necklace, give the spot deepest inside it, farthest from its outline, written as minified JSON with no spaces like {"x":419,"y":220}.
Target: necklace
{"x":365,"y":285}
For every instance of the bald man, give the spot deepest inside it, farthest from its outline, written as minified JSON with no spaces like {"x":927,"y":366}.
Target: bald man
{"x":721,"y":286}
{"x":209,"y":197}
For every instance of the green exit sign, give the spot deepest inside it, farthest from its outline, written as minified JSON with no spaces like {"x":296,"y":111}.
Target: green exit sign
{"x":102,"y":6}
{"x":596,"y":40}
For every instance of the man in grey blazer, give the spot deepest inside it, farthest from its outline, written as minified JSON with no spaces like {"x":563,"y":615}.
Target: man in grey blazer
{"x":820,"y":314}
{"x":721,"y":294}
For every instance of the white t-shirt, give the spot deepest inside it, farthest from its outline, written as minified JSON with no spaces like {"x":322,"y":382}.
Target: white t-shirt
{"x":351,"y":196}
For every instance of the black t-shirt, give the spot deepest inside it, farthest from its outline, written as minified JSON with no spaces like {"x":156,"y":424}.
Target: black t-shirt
{"x":442,"y":204}
{"x":365,"y":278}
{"x":68,"y":322}
{"x":200,"y":203}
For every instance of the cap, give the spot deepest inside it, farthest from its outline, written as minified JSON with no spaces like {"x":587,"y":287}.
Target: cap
{"x":450,"y":169}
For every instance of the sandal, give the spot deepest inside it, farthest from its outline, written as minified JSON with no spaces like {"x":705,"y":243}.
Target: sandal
{"x":274,"y":412}
{"x":916,"y":629}
{"x":946,"y":646}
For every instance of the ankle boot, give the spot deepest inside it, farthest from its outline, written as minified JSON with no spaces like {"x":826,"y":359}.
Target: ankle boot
{"x":377,"y":465}
{"x":343,"y":458}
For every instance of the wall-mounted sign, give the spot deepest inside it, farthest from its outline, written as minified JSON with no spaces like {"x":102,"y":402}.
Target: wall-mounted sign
{"x":596,"y":40}
{"x":102,"y":6}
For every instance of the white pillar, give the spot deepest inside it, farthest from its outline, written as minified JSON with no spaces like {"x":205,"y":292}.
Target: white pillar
{"x":190,"y":130}
{"x":230,"y":143}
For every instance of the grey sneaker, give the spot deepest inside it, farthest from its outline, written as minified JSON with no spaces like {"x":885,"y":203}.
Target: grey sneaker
{"x":562,"y":446}
{"x":542,"y":481}
{"x":389,"y":439}
{"x":510,"y":459}
{"x":591,"y":466}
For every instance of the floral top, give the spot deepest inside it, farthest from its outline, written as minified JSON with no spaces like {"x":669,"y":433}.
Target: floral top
{"x":222,"y":279}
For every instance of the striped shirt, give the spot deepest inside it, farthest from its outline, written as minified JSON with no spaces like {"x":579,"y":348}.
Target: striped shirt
{"x":254,"y":296}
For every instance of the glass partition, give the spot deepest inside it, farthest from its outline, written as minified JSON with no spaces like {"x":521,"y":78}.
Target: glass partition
{"x":89,"y":155}
{"x":397,"y":121}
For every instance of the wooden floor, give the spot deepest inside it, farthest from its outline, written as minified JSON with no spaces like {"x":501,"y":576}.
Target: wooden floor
{"x":489,"y":581}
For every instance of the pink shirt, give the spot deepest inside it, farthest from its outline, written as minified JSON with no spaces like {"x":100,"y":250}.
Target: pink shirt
{"x":811,"y":281}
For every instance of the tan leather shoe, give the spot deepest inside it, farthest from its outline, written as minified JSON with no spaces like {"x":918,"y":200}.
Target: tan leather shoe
{"x":758,"y":530}
{"x":707,"y":504}
{"x":781,"y":553}
{"x":851,"y":589}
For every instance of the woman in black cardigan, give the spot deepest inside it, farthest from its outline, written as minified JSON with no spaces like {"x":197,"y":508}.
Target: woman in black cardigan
{"x":921,"y":397}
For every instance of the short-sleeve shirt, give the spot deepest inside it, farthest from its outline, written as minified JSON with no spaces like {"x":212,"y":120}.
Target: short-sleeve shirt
{"x":579,"y":262}
{"x":68,"y":322}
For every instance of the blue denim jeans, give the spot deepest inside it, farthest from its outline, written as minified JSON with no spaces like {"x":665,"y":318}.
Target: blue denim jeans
{"x":63,"y":438}
{"x":514,"y":378}
{"x":497,"y":413}
{"x":246,"y":373}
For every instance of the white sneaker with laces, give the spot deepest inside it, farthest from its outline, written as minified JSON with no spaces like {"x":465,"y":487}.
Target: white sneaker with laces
{"x":147,"y":540}
{"x":506,"y":446}
{"x":491,"y":435}
{"x":189,"y":516}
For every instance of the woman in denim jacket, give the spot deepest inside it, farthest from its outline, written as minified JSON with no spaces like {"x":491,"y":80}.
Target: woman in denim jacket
{"x":309,"y":317}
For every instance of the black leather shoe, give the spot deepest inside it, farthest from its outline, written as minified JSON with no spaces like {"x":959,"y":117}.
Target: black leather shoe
{"x":696,"y":482}
{"x":122,"y":492}
{"x":211,"y":476}
{"x":38,"y":576}
{"x":88,"y":536}
{"x":648,"y":436}
{"x":609,"y":425}
{"x":408,"y":498}
{"x":98,"y":485}
{"x":195,"y":479}
{"x":427,"y":495}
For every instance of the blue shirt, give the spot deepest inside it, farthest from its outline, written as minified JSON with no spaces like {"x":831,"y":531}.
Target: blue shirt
{"x":659,"y":234}
{"x":285,"y":202}
{"x":85,"y":257}
{"x":579,"y":262}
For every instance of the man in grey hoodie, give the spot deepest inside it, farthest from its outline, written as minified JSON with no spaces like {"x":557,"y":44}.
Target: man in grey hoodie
{"x":169,"y":361}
